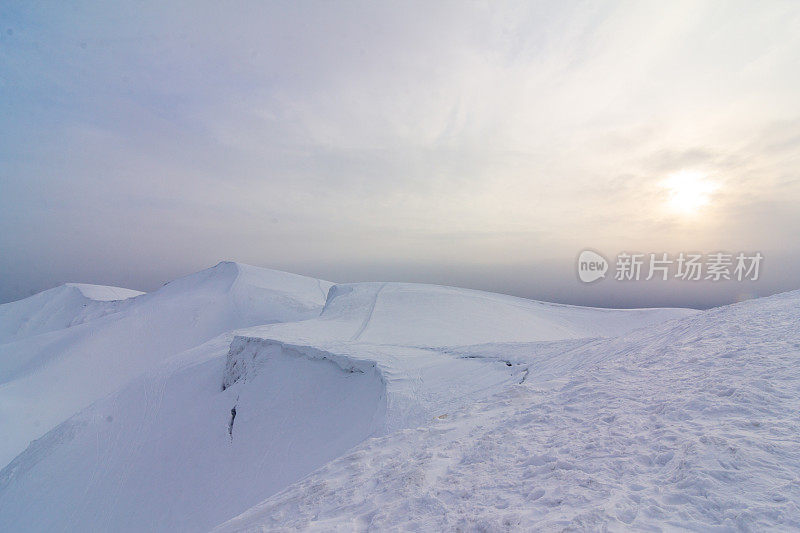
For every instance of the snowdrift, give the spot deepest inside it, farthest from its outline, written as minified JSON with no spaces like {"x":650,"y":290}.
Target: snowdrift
{"x":46,"y":378}
{"x":691,"y":424}
{"x":58,"y":308}
{"x":167,"y":454}
{"x":411,"y":314}
{"x":168,"y":451}
{"x":252,"y":399}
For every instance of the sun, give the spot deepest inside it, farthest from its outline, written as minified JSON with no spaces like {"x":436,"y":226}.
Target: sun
{"x":688,"y":191}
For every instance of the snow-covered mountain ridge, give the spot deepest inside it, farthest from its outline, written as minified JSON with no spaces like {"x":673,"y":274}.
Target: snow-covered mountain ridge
{"x":689,"y":425}
{"x":461,"y":405}
{"x":58,"y":308}
{"x":48,"y":377}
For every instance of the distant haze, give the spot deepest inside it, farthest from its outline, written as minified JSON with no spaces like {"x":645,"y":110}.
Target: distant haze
{"x":471,"y":144}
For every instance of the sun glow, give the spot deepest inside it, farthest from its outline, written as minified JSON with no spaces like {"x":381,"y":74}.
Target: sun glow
{"x":688,"y":191}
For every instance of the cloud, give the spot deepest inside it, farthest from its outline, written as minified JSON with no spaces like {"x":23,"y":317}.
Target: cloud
{"x":292,"y":133}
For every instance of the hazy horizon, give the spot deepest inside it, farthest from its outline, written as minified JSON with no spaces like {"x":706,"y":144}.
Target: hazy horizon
{"x":480,"y":145}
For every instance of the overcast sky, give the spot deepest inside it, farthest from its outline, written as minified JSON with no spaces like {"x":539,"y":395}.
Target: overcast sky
{"x":473,"y":144}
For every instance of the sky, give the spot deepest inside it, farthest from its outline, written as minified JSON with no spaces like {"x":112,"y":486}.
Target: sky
{"x":479,"y":144}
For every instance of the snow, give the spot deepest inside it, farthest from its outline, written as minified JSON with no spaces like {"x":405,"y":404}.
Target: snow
{"x":159,"y":456}
{"x":410,"y":314}
{"x":61,"y":307}
{"x":48,"y":377}
{"x":305,"y":392}
{"x":104,"y":293}
{"x":401,"y":406}
{"x":692,"y":425}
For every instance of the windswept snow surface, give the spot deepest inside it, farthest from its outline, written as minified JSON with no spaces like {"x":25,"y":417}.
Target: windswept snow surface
{"x":58,"y":308}
{"x":411,"y":314}
{"x":692,"y":424}
{"x":47,"y":377}
{"x":413,"y":334}
{"x":168,"y":451}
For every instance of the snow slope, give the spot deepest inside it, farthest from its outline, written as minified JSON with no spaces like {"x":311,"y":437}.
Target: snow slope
{"x":412,"y":334}
{"x":689,"y":425}
{"x":46,"y":378}
{"x":162,"y":454}
{"x":58,"y":308}
{"x":159,"y":456}
{"x":411,"y":314}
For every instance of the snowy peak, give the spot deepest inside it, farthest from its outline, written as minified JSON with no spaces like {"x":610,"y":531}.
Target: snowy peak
{"x":220,"y":277}
{"x":228,"y":277}
{"x":119,"y":340}
{"x":262,"y":382}
{"x":60,"y":307}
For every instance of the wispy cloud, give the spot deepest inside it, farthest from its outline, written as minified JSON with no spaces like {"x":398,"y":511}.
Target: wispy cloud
{"x":291,"y":133}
